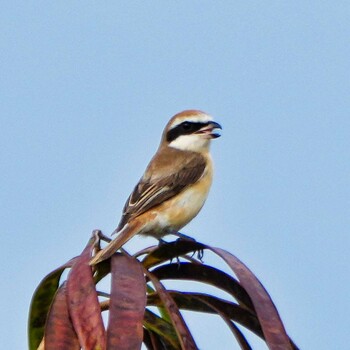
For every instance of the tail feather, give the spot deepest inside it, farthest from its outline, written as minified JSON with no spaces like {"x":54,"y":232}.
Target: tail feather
{"x":129,"y":231}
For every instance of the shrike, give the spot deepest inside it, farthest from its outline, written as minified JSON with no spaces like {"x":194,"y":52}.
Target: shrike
{"x":175,"y":184}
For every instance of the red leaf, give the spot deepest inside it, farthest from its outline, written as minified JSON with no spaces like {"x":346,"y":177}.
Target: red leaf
{"x":59,"y":331}
{"x":127,"y":304}
{"x":206,"y":274}
{"x":83,"y":304}
{"x":271,"y":324}
{"x":184,"y":334}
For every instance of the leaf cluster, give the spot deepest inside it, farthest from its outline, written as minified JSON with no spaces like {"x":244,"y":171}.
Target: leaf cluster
{"x":68,"y":314}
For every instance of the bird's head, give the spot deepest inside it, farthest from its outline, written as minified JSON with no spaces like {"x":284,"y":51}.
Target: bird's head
{"x":190,"y":130}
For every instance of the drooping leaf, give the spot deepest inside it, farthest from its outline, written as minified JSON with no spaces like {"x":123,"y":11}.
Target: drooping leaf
{"x":274,"y":331}
{"x":242,"y":341}
{"x":40,"y":304}
{"x":59,"y":331}
{"x":153,"y":341}
{"x":185,"y":337}
{"x":162,"y":330}
{"x":102,"y":270}
{"x":127,"y":304}
{"x":160,"y":327}
{"x":201,"y":302}
{"x":162,"y":310}
{"x":83,"y":304}
{"x":167,"y":330}
{"x":206,"y":274}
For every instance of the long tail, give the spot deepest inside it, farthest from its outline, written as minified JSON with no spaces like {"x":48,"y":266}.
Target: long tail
{"x":129,"y":231}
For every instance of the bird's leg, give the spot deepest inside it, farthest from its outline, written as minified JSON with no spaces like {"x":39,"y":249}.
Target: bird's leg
{"x":200,"y":252}
{"x":98,"y":237}
{"x":178,"y":261}
{"x":161,"y":243}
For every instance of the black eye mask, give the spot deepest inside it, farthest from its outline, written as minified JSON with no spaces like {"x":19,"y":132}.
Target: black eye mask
{"x":185,"y":128}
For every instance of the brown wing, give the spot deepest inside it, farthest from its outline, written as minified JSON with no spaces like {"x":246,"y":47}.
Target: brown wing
{"x":152,"y":191}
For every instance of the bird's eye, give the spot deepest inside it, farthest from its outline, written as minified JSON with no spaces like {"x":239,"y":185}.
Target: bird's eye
{"x":186,"y":125}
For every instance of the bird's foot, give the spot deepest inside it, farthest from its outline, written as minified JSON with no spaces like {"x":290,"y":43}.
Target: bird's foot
{"x":200,"y":254}
{"x":178,"y":261}
{"x":181,"y":236}
{"x":103,"y":237}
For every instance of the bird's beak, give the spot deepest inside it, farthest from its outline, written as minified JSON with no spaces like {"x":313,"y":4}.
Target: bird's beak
{"x":210,"y":130}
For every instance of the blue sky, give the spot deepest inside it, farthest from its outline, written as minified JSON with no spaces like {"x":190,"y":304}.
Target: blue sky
{"x":86,"y":88}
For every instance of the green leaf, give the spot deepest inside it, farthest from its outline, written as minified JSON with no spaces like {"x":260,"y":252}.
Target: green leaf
{"x":164,"y":330}
{"x":40,"y":304}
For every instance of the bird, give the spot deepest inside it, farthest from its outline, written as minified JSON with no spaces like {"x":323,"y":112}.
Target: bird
{"x":175,"y":184}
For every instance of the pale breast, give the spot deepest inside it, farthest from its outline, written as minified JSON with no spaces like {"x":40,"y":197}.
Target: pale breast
{"x":178,"y":211}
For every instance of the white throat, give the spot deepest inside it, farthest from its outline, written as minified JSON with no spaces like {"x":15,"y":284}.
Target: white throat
{"x":193,"y":142}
